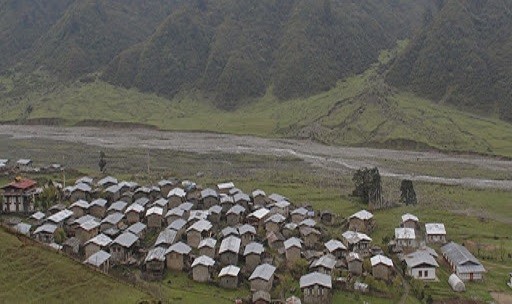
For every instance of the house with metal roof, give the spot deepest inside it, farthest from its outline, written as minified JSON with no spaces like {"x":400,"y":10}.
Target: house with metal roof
{"x":177,"y":256}
{"x":214,"y":214}
{"x":316,"y":288}
{"x":234,"y":214}
{"x":155,"y":217}
{"x":324,"y":264}
{"x":179,"y":226}
{"x":274,"y":222}
{"x":176,"y":196}
{"x":87,"y":230}
{"x":382,"y":267}
{"x":355,"y":263}
{"x":228,"y":277}
{"x":435,"y":233}
{"x":60,"y":217}
{"x":262,"y":278}
{"x":97,"y":243}
{"x":361,"y":221}
{"x":134,"y":213}
{"x":199,"y":230}
{"x":154,"y":263}
{"x":201,"y":268}
{"x":225,"y":187}
{"x":247,"y":234}
{"x":118,"y":206}
{"x":293,"y":249}
{"x":357,"y":242}
{"x":45,"y":233}
{"x":252,"y":254}
{"x":166,"y":238}
{"x":421,"y":265}
{"x":299,"y":214}
{"x":229,"y":250}
{"x":336,"y":248}
{"x":112,"y":220}
{"x":259,"y":198}
{"x":79,"y":208}
{"x":209,"y":197}
{"x":410,"y":221}
{"x":123,"y":247}
{"x":463,"y":263}
{"x":207,"y":247}
{"x":100,"y":260}
{"x":139,"y":229}
{"x":405,"y":237}
{"x":98,"y":208}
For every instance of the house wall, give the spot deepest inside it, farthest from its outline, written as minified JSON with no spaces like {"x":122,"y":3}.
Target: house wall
{"x":427,"y":273}
{"x":175,"y":261}
{"x":208,"y":251}
{"x":355,"y":267}
{"x":132,"y":217}
{"x":292,"y":254}
{"x":209,"y":201}
{"x":232,"y":219}
{"x":174,"y":201}
{"x":84,"y":235}
{"x":77,"y":211}
{"x":271,"y":226}
{"x":259,"y":200}
{"x":359,"y":225}
{"x":380,"y":271}
{"x":228,"y":258}
{"x":45,"y":237}
{"x":229,"y":282}
{"x":193,"y":238}
{"x":200,"y":273}
{"x":246,"y":239}
{"x":97,"y":211}
{"x":409,"y":224}
{"x":311,"y":240}
{"x":260,"y":284}
{"x":91,"y":249}
{"x":252,"y":261}
{"x":214,"y":218}
{"x":119,"y":254}
{"x":154,"y":221}
{"x":434,"y":238}
{"x":78,"y":195}
{"x":297,"y":218}
{"x":406,"y":243}
{"x":316,"y":294}
{"x":465,"y":277}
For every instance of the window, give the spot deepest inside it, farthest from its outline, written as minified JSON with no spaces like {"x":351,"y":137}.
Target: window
{"x":420,"y":273}
{"x":426,"y":273}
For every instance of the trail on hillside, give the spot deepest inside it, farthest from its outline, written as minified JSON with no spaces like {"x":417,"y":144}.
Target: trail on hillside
{"x":341,"y":159}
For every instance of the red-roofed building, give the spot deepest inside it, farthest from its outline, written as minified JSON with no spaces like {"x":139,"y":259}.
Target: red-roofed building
{"x":19,"y":196}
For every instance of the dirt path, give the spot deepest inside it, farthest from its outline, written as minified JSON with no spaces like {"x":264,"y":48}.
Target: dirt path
{"x":329,"y":157}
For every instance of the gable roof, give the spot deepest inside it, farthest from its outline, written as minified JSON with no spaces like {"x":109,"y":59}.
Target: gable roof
{"x":208,"y":242}
{"x":292,"y":242}
{"x":89,"y":225}
{"x":362,"y":215}
{"x":258,"y":192}
{"x":333,"y":245}
{"x":200,"y":226}
{"x":113,"y":218}
{"x":203,"y":260}
{"x":354,"y":237}
{"x":38,"y":216}
{"x":225,"y":186}
{"x":327,"y":261}
{"x":231,"y":271}
{"x":137,"y":228}
{"x":177,"y":192}
{"x":230,"y":244}
{"x":435,"y":228}
{"x":99,"y":202}
{"x":254,"y":247}
{"x":405,"y":234}
{"x":236,"y":209}
{"x":98,"y":258}
{"x":315,"y":278}
{"x":240,"y":196}
{"x":107,"y":180}
{"x":180,"y":248}
{"x":380,"y":259}
{"x":60,"y":216}
{"x":177,"y":224}
{"x":80,"y":204}
{"x":263,"y":271}
{"x":100,"y":240}
{"x":127,"y":239}
{"x":409,"y":217}
{"x":118,"y":206}
{"x":461,"y":258}
{"x":229,"y":231}
{"x":276,"y":218}
{"x":246,"y":228}
{"x":419,"y":258}
{"x":300,"y":211}
{"x":208,"y":192}
{"x":155,"y":254}
{"x":134,"y":208}
{"x":260,"y":213}
{"x":166,"y":237}
{"x":155,"y":210}
{"x":46,"y":228}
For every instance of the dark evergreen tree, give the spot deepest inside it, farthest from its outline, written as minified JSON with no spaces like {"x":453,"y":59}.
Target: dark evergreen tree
{"x":368,"y":186}
{"x":102,"y":163}
{"x":408,"y":195}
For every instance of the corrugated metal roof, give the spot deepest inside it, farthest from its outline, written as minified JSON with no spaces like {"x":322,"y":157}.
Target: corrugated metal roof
{"x":180,"y":248}
{"x":46,"y":228}
{"x":236,"y":209}
{"x":143,"y":201}
{"x":100,"y":240}
{"x":203,"y":260}
{"x":380,"y":259}
{"x":333,"y":245}
{"x":208,"y":242}
{"x":229,"y":231}
{"x":405,"y":234}
{"x":276,"y":218}
{"x":166,"y":237}
{"x":80,"y":204}
{"x":177,"y":224}
{"x":464,"y":261}
{"x":363,"y":215}
{"x":60,"y":216}
{"x":315,"y":278}
{"x":99,"y":202}
{"x":155,"y":254}
{"x":327,"y":261}
{"x":231,"y":244}
{"x":308,"y":222}
{"x":85,"y":219}
{"x":246,"y":229}
{"x":208,"y":192}
{"x":118,"y":206}
{"x":89,"y":225}
{"x":113,"y":218}
{"x":187,"y":206}
{"x":258,"y":192}
{"x":435,"y":229}
{"x":225,"y":186}
{"x":231,"y":271}
{"x":264,"y":272}
{"x":107,"y":180}
{"x":134,"y":208}
{"x":355,"y":237}
{"x":161,"y":202}
{"x":215,"y":209}
{"x":127,"y":239}
{"x":155,"y":210}
{"x":175,"y":211}
{"x":409,"y":217}
{"x":38,"y":216}
{"x":420,"y":258}
{"x":200,"y":226}
{"x":98,"y":258}
{"x":300,"y":211}
{"x":240,"y":196}
{"x":177,"y":192}
{"x":82,"y":187}
{"x":292,"y":242}
{"x":137,"y":228}
{"x":260,"y":213}
{"x":253,"y":247}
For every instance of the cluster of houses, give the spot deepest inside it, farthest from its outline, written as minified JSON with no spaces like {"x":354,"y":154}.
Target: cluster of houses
{"x":224,"y":235}
{"x":26,"y":165}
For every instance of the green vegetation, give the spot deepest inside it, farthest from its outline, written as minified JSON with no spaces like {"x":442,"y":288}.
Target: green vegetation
{"x":31,"y":274}
{"x":462,"y":57}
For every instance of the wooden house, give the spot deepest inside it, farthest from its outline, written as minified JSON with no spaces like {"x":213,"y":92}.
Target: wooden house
{"x":228,"y":277}
{"x":324,"y":264}
{"x":209,"y":197}
{"x":224,"y":188}
{"x":201,"y":269}
{"x":80,"y":191}
{"x":234,"y":215}
{"x":357,"y":242}
{"x":71,"y":247}
{"x":382,"y":267}
{"x":176,"y":197}
{"x":336,"y":248}
{"x":410,"y":221}
{"x":134,"y":213}
{"x":177,"y":256}
{"x":117,"y":207}
{"x":293,"y":249}
{"x":99,"y":260}
{"x":214,"y":214}
{"x":19,"y":196}
{"x":97,"y":243}
{"x":316,"y":288}
{"x":45,"y":233}
{"x":174,"y":214}
{"x":247,"y":234}
{"x":207,"y":247}
{"x":179,"y":226}
{"x":123,"y":247}
{"x":259,"y":198}
{"x":229,"y":250}
{"x":405,"y":238}
{"x":361,"y":221}
{"x":114,"y":220}
{"x":199,"y":230}
{"x":435,"y":233}
{"x":242,"y":199}
{"x":87,"y":230}
{"x":262,"y":278}
{"x":354,"y":263}
{"x":139,"y":229}
{"x":311,"y":236}
{"x":252,"y":255}
{"x":155,"y":217}
{"x":154,"y":263}
{"x":98,"y":208}
{"x":299,"y":214}
{"x":274,"y":222}
{"x":166,"y":186}
{"x":79,"y":208}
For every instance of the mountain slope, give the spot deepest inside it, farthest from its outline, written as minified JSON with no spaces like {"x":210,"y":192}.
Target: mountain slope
{"x":234,"y":50}
{"x":463,"y":58}
{"x":92,"y":32}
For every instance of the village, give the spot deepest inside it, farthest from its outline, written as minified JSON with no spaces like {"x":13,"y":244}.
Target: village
{"x":222,"y":235}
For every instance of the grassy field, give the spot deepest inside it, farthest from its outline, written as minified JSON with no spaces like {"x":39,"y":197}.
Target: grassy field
{"x":360,"y":110}
{"x":30,"y":274}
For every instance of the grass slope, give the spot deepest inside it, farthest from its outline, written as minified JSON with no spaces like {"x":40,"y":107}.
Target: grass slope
{"x":361,"y":110}
{"x":30,"y":274}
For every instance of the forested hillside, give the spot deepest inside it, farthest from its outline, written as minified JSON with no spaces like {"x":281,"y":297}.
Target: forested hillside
{"x":463,"y":57}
